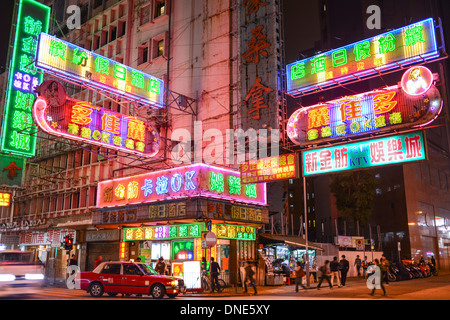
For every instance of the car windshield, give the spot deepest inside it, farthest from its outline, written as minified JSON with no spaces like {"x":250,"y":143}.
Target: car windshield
{"x":147,"y":269}
{"x":16,"y":257}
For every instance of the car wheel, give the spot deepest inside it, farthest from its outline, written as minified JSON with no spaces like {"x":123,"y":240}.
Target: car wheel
{"x":157,"y":291}
{"x":96,"y":290}
{"x":172,"y":295}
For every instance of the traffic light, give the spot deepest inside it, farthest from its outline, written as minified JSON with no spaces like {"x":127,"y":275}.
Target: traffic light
{"x":68,"y":243}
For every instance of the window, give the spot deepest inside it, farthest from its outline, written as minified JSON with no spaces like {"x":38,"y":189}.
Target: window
{"x":160,"y":8}
{"x":160,"y":48}
{"x":143,"y":53}
{"x":131,"y":269}
{"x":112,"y":268}
{"x":144,"y":15}
{"x":158,"y":45}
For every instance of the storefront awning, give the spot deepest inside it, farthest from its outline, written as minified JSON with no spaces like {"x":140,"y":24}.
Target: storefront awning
{"x":273,"y":239}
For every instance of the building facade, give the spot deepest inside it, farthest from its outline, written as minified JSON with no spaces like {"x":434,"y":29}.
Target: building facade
{"x":220,"y":62}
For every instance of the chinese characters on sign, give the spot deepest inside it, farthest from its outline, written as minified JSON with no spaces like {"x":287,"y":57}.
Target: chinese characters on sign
{"x":374,"y":111}
{"x":413,"y":43}
{"x":198,"y":180}
{"x":18,"y":132}
{"x":257,"y":55}
{"x":377,"y":152}
{"x":77,"y":120}
{"x":5,"y":199}
{"x":269,"y":169}
{"x":63,"y":58}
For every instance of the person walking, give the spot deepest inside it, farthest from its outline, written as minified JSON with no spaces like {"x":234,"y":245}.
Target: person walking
{"x":377,"y":274}
{"x":324,"y":274}
{"x":334,"y":271}
{"x":299,"y":274}
{"x":384,"y":266}
{"x":249,"y":273}
{"x":214,"y":269}
{"x":365,"y":264}
{"x":344,"y":266}
{"x":358,"y":265}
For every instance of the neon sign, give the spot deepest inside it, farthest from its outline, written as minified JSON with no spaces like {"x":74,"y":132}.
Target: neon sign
{"x":19,"y":134}
{"x":81,"y":121}
{"x":197,"y":180}
{"x":5,"y":199}
{"x":68,"y":60}
{"x":375,"y":111}
{"x":372,"y":153}
{"x":393,"y":49}
{"x":189,"y":231}
{"x":269,"y":169}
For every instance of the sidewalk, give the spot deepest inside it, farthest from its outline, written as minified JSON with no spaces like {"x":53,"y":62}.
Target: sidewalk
{"x":261,"y":290}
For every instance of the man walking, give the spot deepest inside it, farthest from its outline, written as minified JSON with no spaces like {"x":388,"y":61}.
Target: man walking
{"x":214,"y":269}
{"x":358,"y":265}
{"x":249,"y":277}
{"x":344,"y":265}
{"x":324,"y":274}
{"x":334,"y":269}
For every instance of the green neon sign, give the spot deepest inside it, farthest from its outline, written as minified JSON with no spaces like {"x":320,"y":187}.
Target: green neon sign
{"x":391,"y":150}
{"x":390,"y":50}
{"x":18,"y":130}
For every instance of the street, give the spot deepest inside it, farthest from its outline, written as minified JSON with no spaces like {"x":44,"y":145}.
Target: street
{"x":432,"y":288}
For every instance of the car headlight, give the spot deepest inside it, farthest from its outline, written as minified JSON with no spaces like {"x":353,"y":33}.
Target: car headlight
{"x":34,"y":276}
{"x":7,"y":277}
{"x":174,"y":283}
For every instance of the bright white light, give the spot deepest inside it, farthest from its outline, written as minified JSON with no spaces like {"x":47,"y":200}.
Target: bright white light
{"x":34,"y":276}
{"x":7,"y":277}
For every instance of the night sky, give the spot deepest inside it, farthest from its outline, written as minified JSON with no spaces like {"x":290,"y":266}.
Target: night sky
{"x":5,"y":27}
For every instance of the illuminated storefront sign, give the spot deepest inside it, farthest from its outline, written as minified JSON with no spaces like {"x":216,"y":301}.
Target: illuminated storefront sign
{"x":372,"y":153}
{"x":269,"y":169}
{"x":189,"y":231}
{"x":375,"y":111}
{"x":68,"y":60}
{"x":179,"y":231}
{"x":393,"y":49}
{"x":81,"y":121}
{"x":5,"y":199}
{"x":18,"y":132}
{"x":197,"y":180}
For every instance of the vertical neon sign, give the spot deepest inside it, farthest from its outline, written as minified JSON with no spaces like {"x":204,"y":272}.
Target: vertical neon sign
{"x":18,"y":131}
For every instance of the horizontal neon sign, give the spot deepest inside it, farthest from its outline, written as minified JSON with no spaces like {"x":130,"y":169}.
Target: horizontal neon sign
{"x":63,"y":58}
{"x":269,"y":169}
{"x":393,"y":49}
{"x":187,"y":231}
{"x":372,"y":153}
{"x":81,"y":121}
{"x":197,"y":180}
{"x":375,"y":111}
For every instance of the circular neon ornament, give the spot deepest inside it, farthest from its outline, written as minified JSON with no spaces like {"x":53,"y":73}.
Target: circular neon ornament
{"x":417,"y":80}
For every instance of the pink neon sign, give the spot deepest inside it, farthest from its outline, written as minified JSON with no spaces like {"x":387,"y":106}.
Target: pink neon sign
{"x":197,"y":180}
{"x":81,"y":121}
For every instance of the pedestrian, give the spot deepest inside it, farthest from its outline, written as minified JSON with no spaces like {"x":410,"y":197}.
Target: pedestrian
{"x":384,"y":266}
{"x":299,"y":274}
{"x":365,"y":264}
{"x":358,"y":264}
{"x":324,"y":274}
{"x":334,"y":271}
{"x":344,"y":266}
{"x":98,"y":261}
{"x":161,"y":267}
{"x":378,"y":281}
{"x":138,"y":259}
{"x":214,"y":269}
{"x":73,"y":261}
{"x":249,"y":273}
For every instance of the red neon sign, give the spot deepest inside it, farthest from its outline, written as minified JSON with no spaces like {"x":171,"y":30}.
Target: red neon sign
{"x":81,"y":121}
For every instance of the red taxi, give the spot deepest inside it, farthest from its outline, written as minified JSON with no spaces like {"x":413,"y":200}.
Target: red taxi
{"x":115,"y":277}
